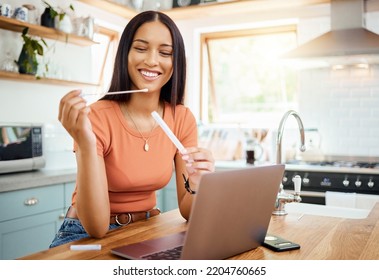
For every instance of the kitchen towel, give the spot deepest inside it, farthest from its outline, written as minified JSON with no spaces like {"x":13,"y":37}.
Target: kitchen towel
{"x":340,"y":199}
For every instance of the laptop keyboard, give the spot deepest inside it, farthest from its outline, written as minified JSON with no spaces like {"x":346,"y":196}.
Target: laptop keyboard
{"x":169,"y":254}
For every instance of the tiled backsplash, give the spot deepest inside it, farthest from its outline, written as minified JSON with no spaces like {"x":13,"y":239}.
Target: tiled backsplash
{"x":344,"y":106}
{"x":58,"y":147}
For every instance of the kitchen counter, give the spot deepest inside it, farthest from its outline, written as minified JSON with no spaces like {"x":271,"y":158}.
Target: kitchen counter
{"x":24,"y":180}
{"x":321,"y":238}
{"x":297,"y":167}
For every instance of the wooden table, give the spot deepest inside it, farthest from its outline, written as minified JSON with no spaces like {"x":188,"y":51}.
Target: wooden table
{"x":321,"y":238}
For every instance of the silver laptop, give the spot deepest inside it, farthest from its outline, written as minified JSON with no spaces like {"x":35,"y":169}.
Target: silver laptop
{"x":230,"y":215}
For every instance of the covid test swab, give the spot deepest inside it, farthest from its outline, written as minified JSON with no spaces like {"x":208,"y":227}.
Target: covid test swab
{"x":89,"y":247}
{"x":168,"y":132}
{"x":117,"y":92}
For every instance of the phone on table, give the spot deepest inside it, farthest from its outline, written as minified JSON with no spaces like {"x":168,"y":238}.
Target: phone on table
{"x":279,"y":244}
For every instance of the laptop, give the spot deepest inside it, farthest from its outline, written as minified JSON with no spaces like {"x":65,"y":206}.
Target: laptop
{"x":230,"y":215}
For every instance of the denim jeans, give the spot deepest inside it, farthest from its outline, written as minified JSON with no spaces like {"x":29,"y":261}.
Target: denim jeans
{"x":72,"y":230}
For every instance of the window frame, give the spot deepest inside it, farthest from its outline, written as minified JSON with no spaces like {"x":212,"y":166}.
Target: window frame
{"x":205,"y":64}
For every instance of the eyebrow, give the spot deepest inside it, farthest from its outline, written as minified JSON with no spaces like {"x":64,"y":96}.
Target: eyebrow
{"x":146,"y":42}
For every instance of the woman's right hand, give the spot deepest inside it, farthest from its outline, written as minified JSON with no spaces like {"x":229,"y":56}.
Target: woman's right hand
{"x":73,"y":114}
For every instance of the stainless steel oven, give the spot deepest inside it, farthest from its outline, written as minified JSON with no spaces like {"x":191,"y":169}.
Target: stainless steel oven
{"x":358,"y":175}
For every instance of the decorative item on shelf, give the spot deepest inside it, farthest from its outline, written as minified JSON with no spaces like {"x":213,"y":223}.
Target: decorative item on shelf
{"x":6,"y":10}
{"x":63,"y":24}
{"x":84,"y":26}
{"x":8,"y":64}
{"x":57,"y":18}
{"x":27,"y":61}
{"x":21,"y":13}
{"x":47,"y":19}
{"x":33,"y":16}
{"x":137,"y":5}
{"x":185,"y":3}
{"x":157,"y":5}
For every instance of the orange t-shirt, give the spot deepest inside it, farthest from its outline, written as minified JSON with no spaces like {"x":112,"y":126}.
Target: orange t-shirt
{"x":133,"y":174}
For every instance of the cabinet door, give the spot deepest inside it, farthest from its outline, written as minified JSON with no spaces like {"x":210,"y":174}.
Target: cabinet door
{"x":32,"y":201}
{"x":24,"y":236}
{"x":68,"y":190}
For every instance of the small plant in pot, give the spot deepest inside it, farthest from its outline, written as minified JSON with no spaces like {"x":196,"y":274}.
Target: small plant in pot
{"x":56,"y":18}
{"x":27,"y":61}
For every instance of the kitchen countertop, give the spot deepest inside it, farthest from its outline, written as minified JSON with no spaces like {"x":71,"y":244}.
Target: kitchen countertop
{"x":320,"y":237}
{"x":23,"y":180}
{"x":38,"y":178}
{"x":298,"y":167}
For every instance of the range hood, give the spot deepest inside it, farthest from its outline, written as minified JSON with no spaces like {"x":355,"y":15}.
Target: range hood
{"x":348,"y":42}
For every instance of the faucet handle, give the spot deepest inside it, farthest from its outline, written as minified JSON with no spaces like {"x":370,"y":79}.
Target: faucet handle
{"x":297,"y":182}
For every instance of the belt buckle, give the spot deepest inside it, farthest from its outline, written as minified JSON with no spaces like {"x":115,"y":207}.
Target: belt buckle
{"x":121,"y":224}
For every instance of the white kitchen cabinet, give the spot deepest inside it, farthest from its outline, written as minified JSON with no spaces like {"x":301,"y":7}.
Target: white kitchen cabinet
{"x":29,"y":218}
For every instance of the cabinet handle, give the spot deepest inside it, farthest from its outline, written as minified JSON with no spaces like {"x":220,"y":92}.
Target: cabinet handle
{"x":31,"y":201}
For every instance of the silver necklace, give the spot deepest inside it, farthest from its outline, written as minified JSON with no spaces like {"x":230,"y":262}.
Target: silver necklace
{"x":146,"y":147}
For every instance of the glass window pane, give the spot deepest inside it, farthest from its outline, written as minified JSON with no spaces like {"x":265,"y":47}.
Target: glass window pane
{"x":247,"y":79}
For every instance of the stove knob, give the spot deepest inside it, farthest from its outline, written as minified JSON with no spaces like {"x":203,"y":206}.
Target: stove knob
{"x":346,"y":182}
{"x":370,"y":184}
{"x":306,"y":179}
{"x":358,"y":183}
{"x":285,"y":179}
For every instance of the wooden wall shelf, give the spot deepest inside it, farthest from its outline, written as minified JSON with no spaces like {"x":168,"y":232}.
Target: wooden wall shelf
{"x":44,"y":32}
{"x":31,"y":78}
{"x":227,"y":8}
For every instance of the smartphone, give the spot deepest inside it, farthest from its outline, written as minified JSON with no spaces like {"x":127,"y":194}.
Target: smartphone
{"x":279,"y":244}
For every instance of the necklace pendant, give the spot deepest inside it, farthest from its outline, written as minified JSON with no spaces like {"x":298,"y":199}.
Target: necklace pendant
{"x":146,"y":147}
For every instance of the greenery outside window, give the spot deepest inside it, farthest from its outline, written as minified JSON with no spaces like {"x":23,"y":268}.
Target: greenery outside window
{"x":242,"y":80}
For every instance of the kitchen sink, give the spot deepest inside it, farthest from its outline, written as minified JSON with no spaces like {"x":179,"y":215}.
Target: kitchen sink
{"x":328,"y":211}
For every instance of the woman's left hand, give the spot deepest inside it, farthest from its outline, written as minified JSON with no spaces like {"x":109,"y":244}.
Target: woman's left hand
{"x":198,"y":161}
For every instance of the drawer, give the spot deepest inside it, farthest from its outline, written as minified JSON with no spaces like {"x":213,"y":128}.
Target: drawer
{"x":31,"y":201}
{"x":24,"y":236}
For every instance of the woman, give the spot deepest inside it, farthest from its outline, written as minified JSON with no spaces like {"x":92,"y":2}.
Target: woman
{"x":123,"y":156}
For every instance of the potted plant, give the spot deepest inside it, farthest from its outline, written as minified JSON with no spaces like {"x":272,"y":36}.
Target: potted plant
{"x":27,"y":61}
{"x":56,"y":18}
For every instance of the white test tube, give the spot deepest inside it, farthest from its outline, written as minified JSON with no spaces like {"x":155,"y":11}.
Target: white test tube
{"x":168,"y":132}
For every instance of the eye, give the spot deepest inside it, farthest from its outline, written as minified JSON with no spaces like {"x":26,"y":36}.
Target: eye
{"x":166,"y":53}
{"x":140,"y":49}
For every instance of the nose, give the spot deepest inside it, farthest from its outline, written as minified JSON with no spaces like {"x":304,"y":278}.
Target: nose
{"x":151,"y":58}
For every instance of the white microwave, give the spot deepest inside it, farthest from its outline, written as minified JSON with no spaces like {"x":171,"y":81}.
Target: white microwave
{"x":21,"y":147}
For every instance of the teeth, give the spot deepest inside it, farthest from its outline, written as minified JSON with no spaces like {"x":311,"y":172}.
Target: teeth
{"x":149,"y":74}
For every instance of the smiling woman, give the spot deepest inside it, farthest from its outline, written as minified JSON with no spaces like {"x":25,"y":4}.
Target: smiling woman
{"x":122,"y":157}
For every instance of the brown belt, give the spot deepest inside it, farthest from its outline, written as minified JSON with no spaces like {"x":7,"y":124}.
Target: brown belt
{"x":124,"y":218}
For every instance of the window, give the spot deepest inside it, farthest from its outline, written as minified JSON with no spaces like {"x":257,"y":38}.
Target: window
{"x":103,"y":56}
{"x":243,"y":82}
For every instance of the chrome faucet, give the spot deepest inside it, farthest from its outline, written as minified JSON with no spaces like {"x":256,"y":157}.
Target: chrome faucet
{"x":283,"y":197}
{"x":280,"y":134}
